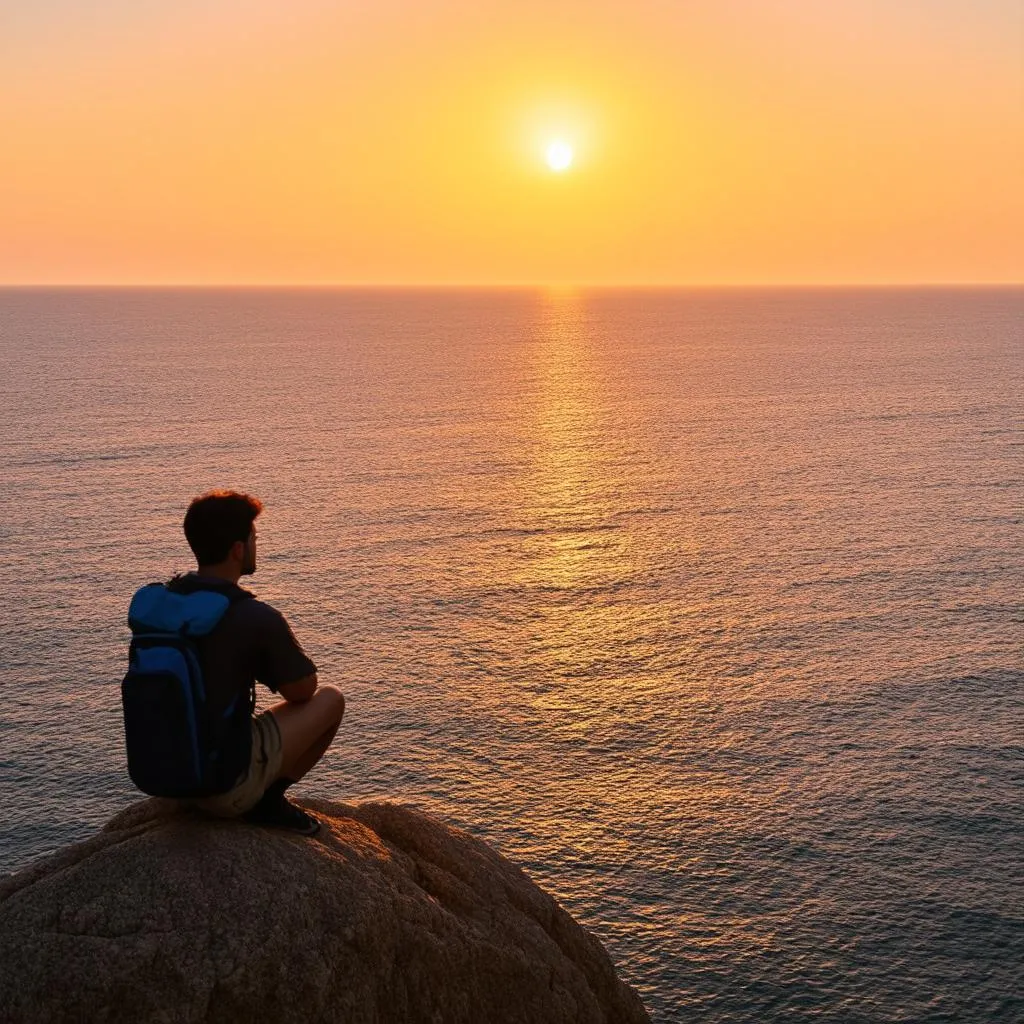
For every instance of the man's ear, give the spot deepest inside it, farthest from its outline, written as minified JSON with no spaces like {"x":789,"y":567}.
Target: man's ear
{"x":237,"y":553}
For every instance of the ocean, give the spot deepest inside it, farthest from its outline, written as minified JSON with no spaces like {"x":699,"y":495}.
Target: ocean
{"x":703,"y":606}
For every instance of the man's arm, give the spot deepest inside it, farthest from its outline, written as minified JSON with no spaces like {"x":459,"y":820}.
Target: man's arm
{"x":299,"y":691}
{"x":280,"y":657}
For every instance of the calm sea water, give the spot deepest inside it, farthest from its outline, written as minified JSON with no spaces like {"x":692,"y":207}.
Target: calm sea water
{"x":705,"y":607}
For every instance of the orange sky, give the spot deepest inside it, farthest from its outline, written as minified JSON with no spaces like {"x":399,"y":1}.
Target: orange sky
{"x":725,"y":142}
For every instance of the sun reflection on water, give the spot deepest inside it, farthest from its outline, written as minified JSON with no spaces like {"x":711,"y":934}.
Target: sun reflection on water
{"x":575,"y":484}
{"x":576,"y":561}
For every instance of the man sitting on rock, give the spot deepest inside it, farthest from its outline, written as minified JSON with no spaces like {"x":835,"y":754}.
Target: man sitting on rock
{"x":253,"y":643}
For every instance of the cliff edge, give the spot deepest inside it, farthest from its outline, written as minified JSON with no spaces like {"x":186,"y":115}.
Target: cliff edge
{"x":388,"y":916}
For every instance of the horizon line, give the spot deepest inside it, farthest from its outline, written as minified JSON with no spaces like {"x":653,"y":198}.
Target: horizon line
{"x":500,"y":286}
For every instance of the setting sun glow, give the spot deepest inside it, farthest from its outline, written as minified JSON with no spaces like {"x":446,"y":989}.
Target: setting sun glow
{"x":322,"y":143}
{"x":559,"y":155}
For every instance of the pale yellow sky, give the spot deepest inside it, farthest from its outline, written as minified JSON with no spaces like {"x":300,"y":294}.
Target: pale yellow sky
{"x":728,"y":142}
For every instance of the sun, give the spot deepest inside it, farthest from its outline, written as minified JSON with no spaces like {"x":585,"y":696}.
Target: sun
{"x":558,"y":155}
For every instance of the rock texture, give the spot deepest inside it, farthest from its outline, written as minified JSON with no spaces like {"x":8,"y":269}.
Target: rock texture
{"x":387,"y":916}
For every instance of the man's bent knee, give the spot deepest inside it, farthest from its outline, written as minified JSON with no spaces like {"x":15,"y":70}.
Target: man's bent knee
{"x":333,"y":701}
{"x":302,"y":725}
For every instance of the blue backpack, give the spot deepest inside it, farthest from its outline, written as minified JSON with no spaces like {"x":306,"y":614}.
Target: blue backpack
{"x":176,"y":746}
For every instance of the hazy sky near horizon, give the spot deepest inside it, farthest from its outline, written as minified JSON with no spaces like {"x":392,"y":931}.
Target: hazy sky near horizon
{"x":716,"y":141}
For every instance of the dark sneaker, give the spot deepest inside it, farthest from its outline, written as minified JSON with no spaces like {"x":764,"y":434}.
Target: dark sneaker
{"x":283,"y":814}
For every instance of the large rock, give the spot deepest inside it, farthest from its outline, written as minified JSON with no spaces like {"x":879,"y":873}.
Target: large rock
{"x":387,"y":916}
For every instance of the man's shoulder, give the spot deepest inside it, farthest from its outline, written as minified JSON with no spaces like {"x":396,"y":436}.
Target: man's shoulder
{"x":254,"y":622}
{"x":252,"y":609}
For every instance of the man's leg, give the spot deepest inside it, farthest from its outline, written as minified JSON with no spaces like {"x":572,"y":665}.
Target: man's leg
{"x":307,"y":729}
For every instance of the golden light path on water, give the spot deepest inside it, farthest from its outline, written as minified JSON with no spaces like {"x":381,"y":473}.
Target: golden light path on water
{"x":574,"y":473}
{"x":601,"y":649}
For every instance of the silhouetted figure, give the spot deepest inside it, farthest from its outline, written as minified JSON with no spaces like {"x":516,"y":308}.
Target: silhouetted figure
{"x":255,"y":757}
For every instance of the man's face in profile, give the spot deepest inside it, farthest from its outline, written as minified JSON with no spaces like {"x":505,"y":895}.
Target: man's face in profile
{"x":249,"y":559}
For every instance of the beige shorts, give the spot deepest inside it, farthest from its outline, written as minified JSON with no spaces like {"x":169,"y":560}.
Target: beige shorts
{"x":264,"y":767}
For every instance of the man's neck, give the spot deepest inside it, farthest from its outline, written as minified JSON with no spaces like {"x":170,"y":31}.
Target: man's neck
{"x":228,"y":573}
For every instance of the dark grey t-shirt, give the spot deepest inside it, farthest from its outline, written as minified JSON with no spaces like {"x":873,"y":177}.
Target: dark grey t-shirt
{"x":253,"y":643}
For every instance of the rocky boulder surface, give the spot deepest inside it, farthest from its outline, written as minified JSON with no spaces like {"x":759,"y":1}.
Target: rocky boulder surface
{"x":388,"y":915}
